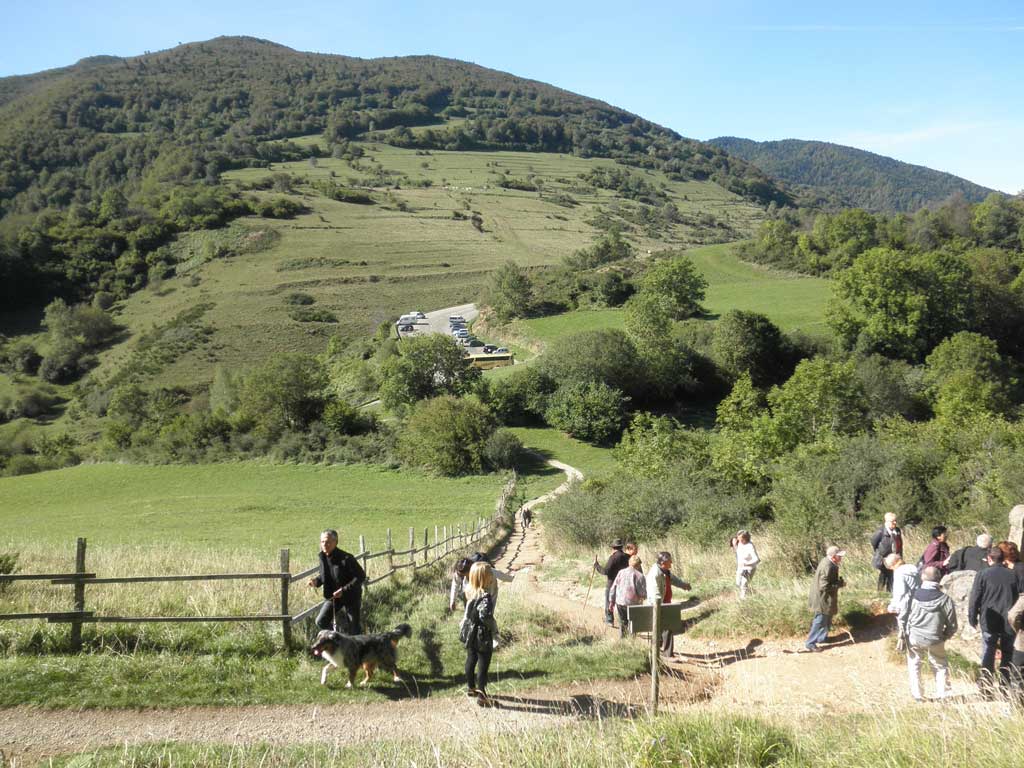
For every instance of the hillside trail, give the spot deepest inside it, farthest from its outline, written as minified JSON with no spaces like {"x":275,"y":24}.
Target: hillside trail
{"x":28,"y":734}
{"x":773,"y":678}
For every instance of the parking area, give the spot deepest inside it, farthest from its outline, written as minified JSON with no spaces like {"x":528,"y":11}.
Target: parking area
{"x":456,"y":321}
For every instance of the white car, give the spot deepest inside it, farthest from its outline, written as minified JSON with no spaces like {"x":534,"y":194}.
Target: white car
{"x":456,"y":319}
{"x":500,"y":351}
{"x":418,"y":315}
{"x":462,"y":333}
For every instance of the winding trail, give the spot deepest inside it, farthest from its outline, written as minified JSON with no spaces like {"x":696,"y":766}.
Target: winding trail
{"x":762,"y":678}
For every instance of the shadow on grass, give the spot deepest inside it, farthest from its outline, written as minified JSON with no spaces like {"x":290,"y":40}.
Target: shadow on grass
{"x":582,"y":706}
{"x":724,"y":658}
{"x":412,"y":687}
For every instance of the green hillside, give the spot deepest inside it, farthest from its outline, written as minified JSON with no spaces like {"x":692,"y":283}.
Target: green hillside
{"x":839,"y":176}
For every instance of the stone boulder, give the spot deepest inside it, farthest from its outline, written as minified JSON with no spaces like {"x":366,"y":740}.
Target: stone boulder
{"x":958,"y":586}
{"x":1017,"y":526}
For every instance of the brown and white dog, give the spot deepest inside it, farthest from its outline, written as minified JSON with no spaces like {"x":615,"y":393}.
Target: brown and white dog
{"x":360,"y":651}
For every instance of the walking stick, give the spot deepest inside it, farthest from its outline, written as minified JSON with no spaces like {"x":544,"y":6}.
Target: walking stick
{"x":590,"y":586}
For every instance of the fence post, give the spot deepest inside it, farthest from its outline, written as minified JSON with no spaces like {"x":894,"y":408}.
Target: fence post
{"x":286,"y":623}
{"x":426,"y":547}
{"x":362,"y":552}
{"x":447,"y":544}
{"x":437,"y":544}
{"x":391,"y":549}
{"x":412,"y":545}
{"x":655,"y":653}
{"x":76,"y":626}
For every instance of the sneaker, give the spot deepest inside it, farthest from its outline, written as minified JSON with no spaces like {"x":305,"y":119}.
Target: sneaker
{"x":483,"y":700}
{"x":472,"y":693}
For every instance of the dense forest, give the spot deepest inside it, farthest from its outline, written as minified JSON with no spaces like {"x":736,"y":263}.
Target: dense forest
{"x":103,"y":161}
{"x":834,"y":176}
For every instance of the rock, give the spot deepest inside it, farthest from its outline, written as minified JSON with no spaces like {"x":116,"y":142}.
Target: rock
{"x":1017,"y":526}
{"x":958,"y":586}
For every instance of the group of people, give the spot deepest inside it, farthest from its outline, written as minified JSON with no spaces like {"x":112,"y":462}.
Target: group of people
{"x":926,"y":616}
{"x":627,"y":585}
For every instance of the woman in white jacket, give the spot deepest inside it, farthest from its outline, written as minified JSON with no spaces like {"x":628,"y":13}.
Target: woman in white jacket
{"x":746,"y":561}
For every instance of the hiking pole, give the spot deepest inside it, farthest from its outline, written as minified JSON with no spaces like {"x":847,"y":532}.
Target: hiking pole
{"x":590,"y":586}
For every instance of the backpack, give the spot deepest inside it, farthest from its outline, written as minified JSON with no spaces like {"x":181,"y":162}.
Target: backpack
{"x":473,"y":631}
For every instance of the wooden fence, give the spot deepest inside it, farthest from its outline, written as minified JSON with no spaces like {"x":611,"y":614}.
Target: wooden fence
{"x":448,"y":540}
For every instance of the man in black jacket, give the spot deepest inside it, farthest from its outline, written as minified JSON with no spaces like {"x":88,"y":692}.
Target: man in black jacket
{"x":995,"y":591}
{"x":616,"y":562}
{"x":886,"y":541}
{"x":971,"y":558}
{"x":342,"y":579}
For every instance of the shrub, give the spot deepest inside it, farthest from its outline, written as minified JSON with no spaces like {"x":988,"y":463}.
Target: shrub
{"x":287,"y":392}
{"x":522,"y":397}
{"x":8,"y":565}
{"x":24,"y":358}
{"x":747,"y":342}
{"x":299,"y":299}
{"x":502,"y":449}
{"x":343,"y":418}
{"x":103,"y":300}
{"x":508,"y":291}
{"x":23,"y":464}
{"x":677,"y":281}
{"x":448,"y":435}
{"x":589,"y":411}
{"x":605,"y":356}
{"x":312,"y":315}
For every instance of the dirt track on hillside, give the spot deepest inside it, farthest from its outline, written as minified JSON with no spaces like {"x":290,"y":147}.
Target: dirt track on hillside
{"x":772,"y":678}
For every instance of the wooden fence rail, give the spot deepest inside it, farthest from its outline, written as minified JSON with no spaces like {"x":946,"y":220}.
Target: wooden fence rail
{"x":446,"y":542}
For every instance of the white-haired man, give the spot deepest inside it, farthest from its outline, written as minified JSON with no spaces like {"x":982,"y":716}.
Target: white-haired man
{"x":824,"y":596}
{"x":886,"y":540}
{"x":971,"y":558}
{"x":929,"y":621}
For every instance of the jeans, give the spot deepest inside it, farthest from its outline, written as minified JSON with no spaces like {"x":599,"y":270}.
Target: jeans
{"x":990,"y":642}
{"x":481,"y":662}
{"x":937,"y":658}
{"x":820,"y":626}
{"x":609,"y":617}
{"x":347,"y":617}
{"x":743,"y":578}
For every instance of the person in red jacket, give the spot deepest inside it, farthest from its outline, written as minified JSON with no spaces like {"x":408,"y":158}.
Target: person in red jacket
{"x":936,"y":554}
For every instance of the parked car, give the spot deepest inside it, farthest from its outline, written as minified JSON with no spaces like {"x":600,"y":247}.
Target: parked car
{"x":475,"y":344}
{"x":489,"y":348}
{"x":418,"y":315}
{"x":406,"y":328}
{"x":457,"y":326}
{"x":456,"y":319}
{"x":462,"y":333}
{"x":501,"y":351}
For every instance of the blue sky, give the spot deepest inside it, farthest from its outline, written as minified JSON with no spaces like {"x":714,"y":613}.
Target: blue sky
{"x":935,"y":83}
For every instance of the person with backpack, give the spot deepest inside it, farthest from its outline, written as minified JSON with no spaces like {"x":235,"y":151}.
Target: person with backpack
{"x":616,"y":562}
{"x":886,"y":540}
{"x":746,"y":561}
{"x":630,"y":588}
{"x":461,"y":572}
{"x":478,"y":631}
{"x":971,"y":558}
{"x":929,"y":621}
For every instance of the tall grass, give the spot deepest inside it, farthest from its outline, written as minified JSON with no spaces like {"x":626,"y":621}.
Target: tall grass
{"x":916,"y":738}
{"x":129,"y":665}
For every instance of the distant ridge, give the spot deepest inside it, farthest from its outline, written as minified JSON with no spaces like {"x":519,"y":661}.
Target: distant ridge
{"x":839,"y":176}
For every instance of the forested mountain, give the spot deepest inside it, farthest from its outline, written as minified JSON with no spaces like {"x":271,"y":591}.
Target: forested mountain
{"x":89,"y":154}
{"x":841,"y":177}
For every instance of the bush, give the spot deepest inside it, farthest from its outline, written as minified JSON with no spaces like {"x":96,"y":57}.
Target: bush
{"x":312,"y":315}
{"x":427,"y":366}
{"x":589,"y":411}
{"x":103,"y":300}
{"x":8,"y":565}
{"x":287,"y":392}
{"x":605,"y":356}
{"x":343,"y":418}
{"x":23,"y":464}
{"x":522,"y":397}
{"x":747,"y":342}
{"x":502,"y":449}
{"x":448,"y":435}
{"x":24,"y":358}
{"x":299,"y":299}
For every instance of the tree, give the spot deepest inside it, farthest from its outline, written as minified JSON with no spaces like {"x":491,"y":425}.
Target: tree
{"x":589,"y":411}
{"x":677,"y":280}
{"x":509,"y":291}
{"x":653,"y":445}
{"x":427,"y":366}
{"x":997,"y":222}
{"x":607,"y":356}
{"x":966,"y":376}
{"x":286,"y":392}
{"x":901,"y":304}
{"x":448,"y":434}
{"x":748,"y":342}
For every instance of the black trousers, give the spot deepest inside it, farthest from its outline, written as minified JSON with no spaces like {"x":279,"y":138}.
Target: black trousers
{"x":347,"y":617}
{"x":609,"y":617}
{"x":885,"y":579}
{"x":623,"y":611}
{"x":668,"y":643}
{"x":480,"y":662}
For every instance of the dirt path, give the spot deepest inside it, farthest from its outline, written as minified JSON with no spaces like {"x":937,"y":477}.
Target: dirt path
{"x":771,"y":678}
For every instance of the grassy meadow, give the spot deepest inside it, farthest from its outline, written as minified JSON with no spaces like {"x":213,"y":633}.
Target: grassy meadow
{"x":793,"y":302}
